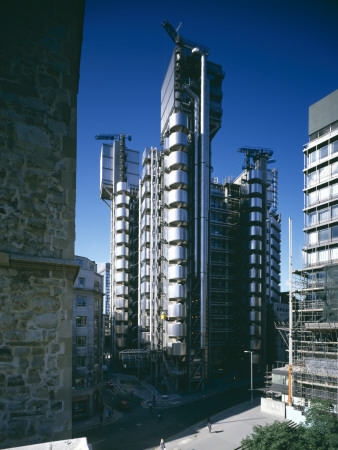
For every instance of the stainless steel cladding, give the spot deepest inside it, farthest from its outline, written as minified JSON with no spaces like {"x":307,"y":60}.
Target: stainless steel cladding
{"x":178,"y":217}
{"x":121,"y":251}
{"x":178,"y":141}
{"x":178,"y":349}
{"x":122,"y":225}
{"x":177,"y":178}
{"x":256,"y":202}
{"x":122,"y":213}
{"x":177,"y":160}
{"x":255,"y":316}
{"x":177,"y":311}
{"x":176,"y":329}
{"x":178,"y":122}
{"x":254,"y":174}
{"x":177,"y":291}
{"x":122,"y":264}
{"x":177,"y":235}
{"x":177,"y":272}
{"x":122,"y":238}
{"x":178,"y":198}
{"x":177,"y":254}
{"x":255,"y":188}
{"x":255,"y":302}
{"x":122,"y":199}
{"x":122,"y":187}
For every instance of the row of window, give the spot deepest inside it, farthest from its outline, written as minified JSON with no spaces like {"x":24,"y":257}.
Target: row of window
{"x":322,"y":215}
{"x":316,"y":237}
{"x":322,"y":256}
{"x":322,"y":174}
{"x":321,"y":153}
{"x":321,"y":195}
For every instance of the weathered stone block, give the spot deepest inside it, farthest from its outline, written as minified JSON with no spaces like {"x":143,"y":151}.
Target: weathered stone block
{"x":46,"y":320}
{"x":15,"y":381}
{"x":5,"y":354}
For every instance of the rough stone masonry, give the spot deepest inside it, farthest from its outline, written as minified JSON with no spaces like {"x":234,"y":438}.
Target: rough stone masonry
{"x":40,"y":47}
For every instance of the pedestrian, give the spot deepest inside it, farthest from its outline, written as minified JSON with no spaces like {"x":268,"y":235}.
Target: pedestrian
{"x":209,"y":424}
{"x":159,"y":416}
{"x":204,"y":396}
{"x":162,"y":444}
{"x":150,"y":407}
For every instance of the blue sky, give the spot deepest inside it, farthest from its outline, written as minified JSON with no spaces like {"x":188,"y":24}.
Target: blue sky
{"x":279,"y":57}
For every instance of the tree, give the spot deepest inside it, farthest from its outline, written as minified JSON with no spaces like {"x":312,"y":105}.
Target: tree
{"x":320,"y":432}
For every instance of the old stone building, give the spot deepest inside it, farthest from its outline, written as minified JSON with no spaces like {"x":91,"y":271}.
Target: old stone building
{"x":40,"y":47}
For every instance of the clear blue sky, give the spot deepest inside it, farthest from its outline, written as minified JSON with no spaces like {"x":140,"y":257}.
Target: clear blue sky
{"x":279,"y":57}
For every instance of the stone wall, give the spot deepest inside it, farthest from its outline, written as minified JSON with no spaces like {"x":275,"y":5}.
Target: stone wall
{"x":40,"y":46}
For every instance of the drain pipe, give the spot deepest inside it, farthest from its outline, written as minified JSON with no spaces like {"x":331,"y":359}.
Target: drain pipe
{"x":196,"y":131}
{"x":204,"y":187}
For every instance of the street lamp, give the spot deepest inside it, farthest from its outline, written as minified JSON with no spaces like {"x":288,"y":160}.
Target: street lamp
{"x":248,"y":351}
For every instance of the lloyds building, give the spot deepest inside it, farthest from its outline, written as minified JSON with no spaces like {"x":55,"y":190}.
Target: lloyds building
{"x":195,"y":261}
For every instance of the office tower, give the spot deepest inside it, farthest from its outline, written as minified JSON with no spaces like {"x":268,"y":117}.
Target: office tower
{"x":315,"y":303}
{"x":119,"y":183}
{"x":208,"y":252}
{"x":40,"y":45}
{"x":87,"y":341}
{"x":104,"y":270}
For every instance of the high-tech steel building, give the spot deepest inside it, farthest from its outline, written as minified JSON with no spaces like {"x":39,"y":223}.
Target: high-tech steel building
{"x":208,"y":252}
{"x":315,"y":303}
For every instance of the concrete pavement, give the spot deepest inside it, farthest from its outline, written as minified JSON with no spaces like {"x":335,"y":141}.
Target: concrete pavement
{"x":228,"y":429}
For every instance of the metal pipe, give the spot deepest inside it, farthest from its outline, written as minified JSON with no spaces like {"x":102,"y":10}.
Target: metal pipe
{"x":196,"y":132}
{"x":151,"y":250}
{"x":204,"y":187}
{"x":290,"y":313}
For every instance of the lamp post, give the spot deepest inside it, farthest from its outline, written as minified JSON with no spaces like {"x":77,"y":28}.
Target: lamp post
{"x":248,"y":351}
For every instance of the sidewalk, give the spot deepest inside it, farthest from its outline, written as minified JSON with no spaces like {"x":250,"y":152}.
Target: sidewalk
{"x":228,"y":429}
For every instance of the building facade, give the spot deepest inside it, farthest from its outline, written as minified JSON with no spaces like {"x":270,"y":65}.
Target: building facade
{"x":104,"y":270}
{"x":315,"y":304}
{"x":87,"y":340}
{"x":40,"y":48}
{"x":206,"y":258}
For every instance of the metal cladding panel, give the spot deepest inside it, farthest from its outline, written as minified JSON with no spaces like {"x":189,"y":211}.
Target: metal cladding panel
{"x":145,"y":304}
{"x":122,"y":238}
{"x":324,"y":112}
{"x":178,"y":197}
{"x":122,"y":225}
{"x":122,"y":264}
{"x":255,"y":316}
{"x":178,"y":141}
{"x":167,"y":94}
{"x":177,"y":254}
{"x":121,"y":251}
{"x":255,"y":344}
{"x":176,"y":160}
{"x":177,"y":272}
{"x":176,"y":329}
{"x":121,"y":303}
{"x":177,"y":310}
{"x":178,"y":122}
{"x":121,"y":291}
{"x":177,"y":215}
{"x":122,"y":199}
{"x":177,"y":291}
{"x":176,"y":178}
{"x":178,"y":349}
{"x":177,"y":235}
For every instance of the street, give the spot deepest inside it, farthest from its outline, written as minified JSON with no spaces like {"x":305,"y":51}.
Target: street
{"x":140,"y":429}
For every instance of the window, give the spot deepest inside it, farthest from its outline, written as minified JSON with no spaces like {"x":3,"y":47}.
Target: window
{"x":334,"y":211}
{"x":81,"y":301}
{"x":312,"y":198}
{"x":334,"y":232}
{"x":81,"y":361}
{"x":80,"y":382}
{"x":312,"y":157}
{"x":312,"y":178}
{"x":334,"y":168}
{"x":81,"y":321}
{"x":312,"y":218}
{"x":96,"y":286}
{"x":323,"y":152}
{"x":323,"y":255}
{"x":334,"y":190}
{"x":323,"y":235}
{"x":312,"y":258}
{"x":82,"y":282}
{"x":324,"y":194}
{"x":81,"y":341}
{"x":334,"y":147}
{"x":334,"y":253}
{"x":79,"y":262}
{"x":323,"y":173}
{"x":323,"y":215}
{"x":313,"y":238}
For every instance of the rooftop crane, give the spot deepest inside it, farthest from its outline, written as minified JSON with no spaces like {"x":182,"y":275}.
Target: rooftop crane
{"x":112,"y":137}
{"x":180,"y":40}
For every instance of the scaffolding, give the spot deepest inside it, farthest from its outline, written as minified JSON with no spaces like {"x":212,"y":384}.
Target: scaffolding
{"x":315,"y":335}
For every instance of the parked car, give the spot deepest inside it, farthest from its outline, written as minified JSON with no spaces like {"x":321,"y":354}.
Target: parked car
{"x":123,"y":405}
{"x":110,"y":385}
